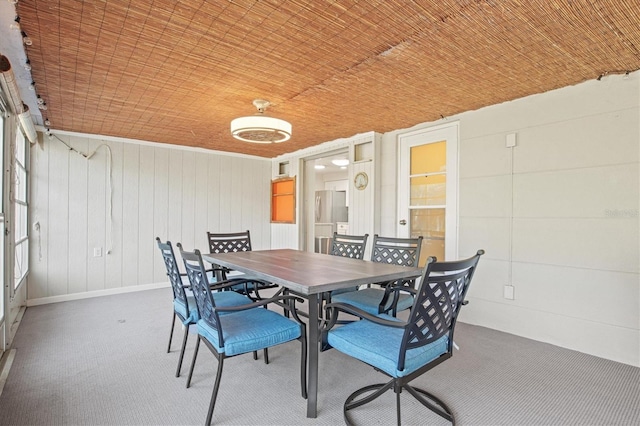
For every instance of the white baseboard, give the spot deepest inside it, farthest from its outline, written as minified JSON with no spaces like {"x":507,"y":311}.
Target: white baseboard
{"x":96,"y":293}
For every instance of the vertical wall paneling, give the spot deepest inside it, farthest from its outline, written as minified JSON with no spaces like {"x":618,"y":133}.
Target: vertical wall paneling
{"x":130,"y":213}
{"x":97,"y":176}
{"x":213,"y":196}
{"x":38,"y":246}
{"x":388,"y":185}
{"x":224,"y":178}
{"x":174,"y":184}
{"x":234,"y":181}
{"x":263,"y":219}
{"x":158,"y":190}
{"x":160,"y":207}
{"x":58,"y":226}
{"x":200,"y":223}
{"x":113,"y":258}
{"x":245,"y":199}
{"x":188,"y":199}
{"x":78,"y":217}
{"x":146,"y":239}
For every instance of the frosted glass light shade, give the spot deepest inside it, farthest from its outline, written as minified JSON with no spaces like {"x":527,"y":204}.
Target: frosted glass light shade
{"x":260,"y":129}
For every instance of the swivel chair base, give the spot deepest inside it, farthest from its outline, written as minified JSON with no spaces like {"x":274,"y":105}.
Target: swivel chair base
{"x":425,"y":398}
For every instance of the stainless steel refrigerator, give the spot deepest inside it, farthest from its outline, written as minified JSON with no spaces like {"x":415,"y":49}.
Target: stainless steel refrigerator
{"x":330,"y":208}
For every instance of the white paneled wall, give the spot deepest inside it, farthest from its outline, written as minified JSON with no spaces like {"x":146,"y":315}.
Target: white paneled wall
{"x":552,"y":232}
{"x":169,"y":192}
{"x":557,"y":216}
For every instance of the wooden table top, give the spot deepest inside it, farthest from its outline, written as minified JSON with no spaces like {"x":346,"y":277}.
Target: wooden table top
{"x":310,"y":273}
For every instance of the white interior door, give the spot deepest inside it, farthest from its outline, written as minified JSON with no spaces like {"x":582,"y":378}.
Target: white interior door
{"x":428,"y":190}
{"x":3,"y":291}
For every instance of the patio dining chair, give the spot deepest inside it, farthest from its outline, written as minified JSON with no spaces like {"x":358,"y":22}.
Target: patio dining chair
{"x":352,"y":246}
{"x":230,"y":243}
{"x":241,"y":329}
{"x":405,"y":350}
{"x":184,"y":306}
{"x":390,"y":297}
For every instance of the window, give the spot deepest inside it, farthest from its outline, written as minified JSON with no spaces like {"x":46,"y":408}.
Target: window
{"x":19,"y":199}
{"x":283,"y":200}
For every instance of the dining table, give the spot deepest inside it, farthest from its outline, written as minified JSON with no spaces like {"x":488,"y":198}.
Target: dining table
{"x":310,"y":275}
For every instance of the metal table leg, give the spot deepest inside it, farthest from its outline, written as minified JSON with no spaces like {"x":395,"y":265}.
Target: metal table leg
{"x":314,"y":339}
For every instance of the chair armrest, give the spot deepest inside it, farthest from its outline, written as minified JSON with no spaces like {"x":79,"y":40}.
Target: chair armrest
{"x":259,"y":303}
{"x":393,"y":290}
{"x":332,"y":310}
{"x":216,"y":269}
{"x":220,"y":285}
{"x":279,"y":299}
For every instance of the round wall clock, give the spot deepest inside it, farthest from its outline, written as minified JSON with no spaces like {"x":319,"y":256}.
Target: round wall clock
{"x":361,"y":181}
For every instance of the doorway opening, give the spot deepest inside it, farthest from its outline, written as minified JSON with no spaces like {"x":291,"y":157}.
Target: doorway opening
{"x":326,"y":199}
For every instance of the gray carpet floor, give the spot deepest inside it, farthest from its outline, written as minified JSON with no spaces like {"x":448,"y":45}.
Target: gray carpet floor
{"x":103,"y":361}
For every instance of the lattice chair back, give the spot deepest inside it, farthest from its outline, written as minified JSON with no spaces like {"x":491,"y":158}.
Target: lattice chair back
{"x":229,"y":242}
{"x":172,"y":271}
{"x":442,"y":290}
{"x":200,"y":286}
{"x":352,"y":246}
{"x":397,"y":251}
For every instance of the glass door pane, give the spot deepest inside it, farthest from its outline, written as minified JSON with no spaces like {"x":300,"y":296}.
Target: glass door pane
{"x":428,"y":190}
{"x":428,"y":186}
{"x":430,"y":223}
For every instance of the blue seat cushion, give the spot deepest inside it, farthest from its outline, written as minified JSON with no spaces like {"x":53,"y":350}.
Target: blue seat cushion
{"x":250,"y":330}
{"x":379,"y":346}
{"x":368,"y":299}
{"x":221,"y":299}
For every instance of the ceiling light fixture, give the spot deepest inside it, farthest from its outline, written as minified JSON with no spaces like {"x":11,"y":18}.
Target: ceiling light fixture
{"x":318,"y":167}
{"x":340,"y":162}
{"x":260,"y":128}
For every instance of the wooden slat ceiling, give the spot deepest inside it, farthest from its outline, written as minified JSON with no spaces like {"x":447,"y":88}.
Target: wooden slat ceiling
{"x":179,"y":71}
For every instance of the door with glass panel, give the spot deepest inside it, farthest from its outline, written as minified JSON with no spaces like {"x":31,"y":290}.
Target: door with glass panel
{"x":427,"y":190}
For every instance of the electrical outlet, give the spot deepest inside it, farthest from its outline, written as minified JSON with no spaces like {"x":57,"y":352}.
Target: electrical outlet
{"x":97,"y":252}
{"x":509,"y":292}
{"x":511,"y":140}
